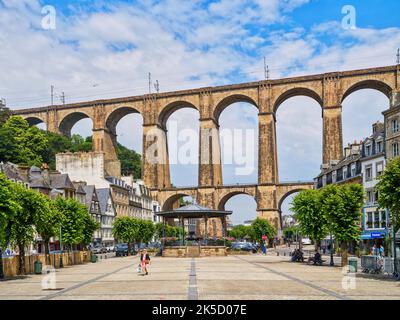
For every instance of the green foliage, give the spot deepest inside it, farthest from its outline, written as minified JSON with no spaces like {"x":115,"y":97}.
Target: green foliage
{"x":389,"y":191}
{"x":307,"y":208}
{"x":146,"y":231}
{"x":8,"y":208}
{"x":29,"y":145}
{"x":341,"y":205}
{"x":131,"y":162}
{"x":77,"y":225}
{"x":20,"y":143}
{"x":5,"y":114}
{"x":261,"y":227}
{"x":290,"y":232}
{"x":125,"y":229}
{"x":239,"y":232}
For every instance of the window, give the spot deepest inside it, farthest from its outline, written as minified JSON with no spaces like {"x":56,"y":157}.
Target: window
{"x":369,"y":220}
{"x":379,"y":147}
{"x":376,"y":220}
{"x":395,"y":149}
{"x":395,"y":126}
{"x":379,"y":169}
{"x":383,"y":219}
{"x":368,"y":173}
{"x":370,"y":197}
{"x":368,"y":150}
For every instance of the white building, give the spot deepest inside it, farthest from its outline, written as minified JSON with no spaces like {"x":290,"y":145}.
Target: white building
{"x":108,"y":213}
{"x":374,"y":219}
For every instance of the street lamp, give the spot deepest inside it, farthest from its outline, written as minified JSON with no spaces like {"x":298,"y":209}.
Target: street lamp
{"x":331,"y":251}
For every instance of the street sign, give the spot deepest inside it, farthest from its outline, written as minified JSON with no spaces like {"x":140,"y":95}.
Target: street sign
{"x":376,"y":235}
{"x":264,"y":237}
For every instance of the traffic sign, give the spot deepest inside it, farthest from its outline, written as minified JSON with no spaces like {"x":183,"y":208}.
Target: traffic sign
{"x":264,"y":237}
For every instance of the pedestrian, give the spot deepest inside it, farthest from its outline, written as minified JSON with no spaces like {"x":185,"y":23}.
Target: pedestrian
{"x":381,"y":251}
{"x":144,"y":261}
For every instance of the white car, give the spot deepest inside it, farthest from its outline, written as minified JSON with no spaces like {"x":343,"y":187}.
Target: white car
{"x":306,"y":241}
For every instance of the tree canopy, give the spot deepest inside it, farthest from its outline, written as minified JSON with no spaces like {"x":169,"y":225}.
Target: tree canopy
{"x":389,"y":191}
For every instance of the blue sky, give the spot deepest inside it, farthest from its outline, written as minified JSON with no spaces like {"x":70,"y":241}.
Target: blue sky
{"x":103,"y":49}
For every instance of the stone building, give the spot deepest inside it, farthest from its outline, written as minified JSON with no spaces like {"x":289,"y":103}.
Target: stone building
{"x":108,"y":214}
{"x":392,"y":132}
{"x":374,"y":222}
{"x":347,"y":170}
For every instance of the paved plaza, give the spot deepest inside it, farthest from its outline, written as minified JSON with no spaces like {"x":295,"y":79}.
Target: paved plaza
{"x":245,"y":277}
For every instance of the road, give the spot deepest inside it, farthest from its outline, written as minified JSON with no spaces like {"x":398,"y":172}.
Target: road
{"x":243,"y":277}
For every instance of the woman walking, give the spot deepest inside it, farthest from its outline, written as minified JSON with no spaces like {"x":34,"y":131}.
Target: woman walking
{"x":144,"y":261}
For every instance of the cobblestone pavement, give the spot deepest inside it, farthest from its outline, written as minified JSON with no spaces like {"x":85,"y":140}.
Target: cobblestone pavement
{"x":245,"y":277}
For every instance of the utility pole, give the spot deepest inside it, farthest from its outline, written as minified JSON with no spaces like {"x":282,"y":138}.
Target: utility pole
{"x":398,"y":55}
{"x":157,"y":86}
{"x":62,"y":97}
{"x":149,"y":83}
{"x":52,"y":94}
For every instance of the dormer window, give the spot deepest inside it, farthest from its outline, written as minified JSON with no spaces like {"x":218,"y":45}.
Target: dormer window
{"x":368,"y":150}
{"x":379,"y":147}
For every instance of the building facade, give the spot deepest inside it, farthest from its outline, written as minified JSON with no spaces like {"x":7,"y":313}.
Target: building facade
{"x":375,"y":220}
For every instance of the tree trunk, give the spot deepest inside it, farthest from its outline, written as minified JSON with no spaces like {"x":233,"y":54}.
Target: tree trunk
{"x":1,"y":264}
{"x":345,"y":258}
{"x":129,"y":248}
{"x":47,"y":252}
{"x":21,"y":257}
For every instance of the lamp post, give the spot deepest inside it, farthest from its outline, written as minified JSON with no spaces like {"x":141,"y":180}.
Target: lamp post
{"x":61,"y":250}
{"x":331,"y":251}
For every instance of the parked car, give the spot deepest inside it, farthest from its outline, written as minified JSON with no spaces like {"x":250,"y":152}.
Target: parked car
{"x":122,"y":250}
{"x":306,"y":241}
{"x":110,"y":249}
{"x":244,"y":246}
{"x":98,"y":249}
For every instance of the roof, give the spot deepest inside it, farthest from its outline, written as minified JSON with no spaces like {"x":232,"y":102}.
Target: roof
{"x":194,"y":211}
{"x":61,"y":181}
{"x":103,"y":196}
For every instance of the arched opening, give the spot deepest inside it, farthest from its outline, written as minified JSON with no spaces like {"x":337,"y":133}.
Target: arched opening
{"x":177,"y":201}
{"x":288,"y":221}
{"x":182,"y":123}
{"x":77,"y":123}
{"x":361,"y":108}
{"x":239,"y":141}
{"x":33,"y":121}
{"x":126,"y":124}
{"x":242,"y":205}
{"x":299,"y":138}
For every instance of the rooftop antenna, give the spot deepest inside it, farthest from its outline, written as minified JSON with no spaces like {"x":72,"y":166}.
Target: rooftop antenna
{"x":52,"y":94}
{"x":398,"y":55}
{"x":157,"y":86}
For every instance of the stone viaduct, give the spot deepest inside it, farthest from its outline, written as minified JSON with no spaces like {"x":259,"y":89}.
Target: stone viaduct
{"x":329,"y":90}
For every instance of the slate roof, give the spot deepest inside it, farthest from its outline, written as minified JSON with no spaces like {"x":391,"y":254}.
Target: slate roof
{"x":103,"y":196}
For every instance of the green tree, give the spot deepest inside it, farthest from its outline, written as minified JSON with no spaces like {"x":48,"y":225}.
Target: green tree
{"x":261,"y":227}
{"x":389,"y":191}
{"x":290,"y":232}
{"x":47,"y":220}
{"x":342,"y":207}
{"x":131,"y":162}
{"x":21,"y":226}
{"x":57,"y":143}
{"x":77,"y":225}
{"x":125,"y":229}
{"x":8,"y":208}
{"x":20,"y":143}
{"x":239,"y":232}
{"x":146,"y":230}
{"x":5,"y":114}
{"x":313,"y":222}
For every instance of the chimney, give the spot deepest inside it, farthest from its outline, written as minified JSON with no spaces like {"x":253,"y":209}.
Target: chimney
{"x":347,"y":151}
{"x":45,"y":173}
{"x":378,"y":127}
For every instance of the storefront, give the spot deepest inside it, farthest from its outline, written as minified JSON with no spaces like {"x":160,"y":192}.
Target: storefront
{"x":374,"y":228}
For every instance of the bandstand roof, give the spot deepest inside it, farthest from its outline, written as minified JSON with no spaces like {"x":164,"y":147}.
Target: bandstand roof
{"x":194,"y":211}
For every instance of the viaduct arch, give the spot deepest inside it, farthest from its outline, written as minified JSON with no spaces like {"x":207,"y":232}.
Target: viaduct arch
{"x":328,"y":89}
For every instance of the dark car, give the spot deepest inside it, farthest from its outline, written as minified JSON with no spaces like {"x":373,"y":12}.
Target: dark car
{"x":122,"y":250}
{"x":98,"y":250}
